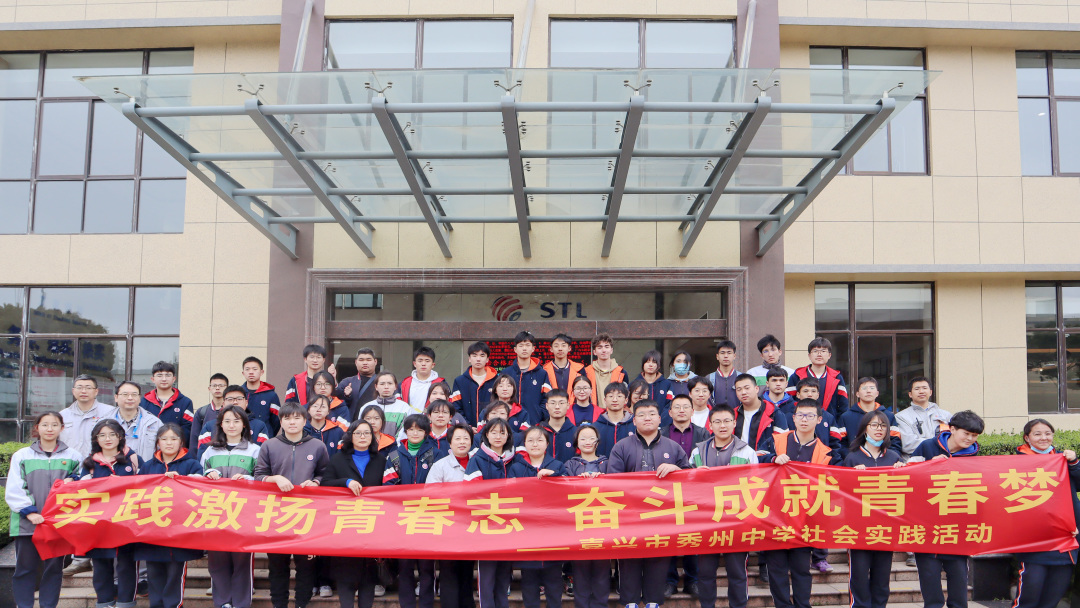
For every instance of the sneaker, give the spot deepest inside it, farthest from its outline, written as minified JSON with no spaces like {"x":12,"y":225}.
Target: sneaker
{"x":314,"y":592}
{"x":78,"y":566}
{"x":631,"y":606}
{"x":380,"y":591}
{"x":142,"y":589}
{"x":669,"y":590}
{"x":652,"y":605}
{"x":568,"y":587}
{"x":822,"y":566}
{"x":210,"y":591}
{"x":326,"y":591}
{"x":416,"y":591}
{"x":763,"y":576}
{"x":910,"y":561}
{"x":691,"y":588}
{"x":226,"y":606}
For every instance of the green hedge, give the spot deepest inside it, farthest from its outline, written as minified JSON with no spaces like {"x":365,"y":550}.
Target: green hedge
{"x":6,"y":451}
{"x":1004,"y":444}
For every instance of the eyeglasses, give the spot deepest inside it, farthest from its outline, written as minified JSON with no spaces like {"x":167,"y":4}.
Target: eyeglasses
{"x":819,"y":351}
{"x":725,"y":422}
{"x":877,"y":426}
{"x":234,"y":399}
{"x":805,"y":416}
{"x":323,"y":384}
{"x":108,"y":436}
{"x":163,"y":375}
{"x":362,"y":434}
{"x":128,"y":395}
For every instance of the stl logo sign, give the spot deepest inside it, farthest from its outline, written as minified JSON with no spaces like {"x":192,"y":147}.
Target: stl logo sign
{"x":506,"y":308}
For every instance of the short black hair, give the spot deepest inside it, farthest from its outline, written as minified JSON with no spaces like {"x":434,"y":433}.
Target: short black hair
{"x":580,"y":428}
{"x":1030,"y":426}
{"x":744,"y":376}
{"x":87,"y":377}
{"x":377,"y":409}
{"x":506,"y":377}
{"x":819,"y":342}
{"x":804,"y":403}
{"x":293,"y":408}
{"x":424,"y":351}
{"x":252,"y":360}
{"x":123,"y":382}
{"x":163,"y":366}
{"x":807,"y":382}
{"x":419,"y":420}
{"x":524,"y":336}
{"x":867,"y":380}
{"x":438,"y":404}
{"x":315,"y":349}
{"x":494,"y":424}
{"x":479,"y":347}
{"x":725,"y":343}
{"x":564,"y":338}
{"x":365,"y":351}
{"x":460,"y":427}
{"x":644,"y":403}
{"x":654,"y":356}
{"x":638,"y":384}
{"x":491,"y":407}
{"x":234,"y":388}
{"x":558,"y":393}
{"x":347,"y":447}
{"x":679,"y":396}
{"x":219,"y":376}
{"x":696,"y":381}
{"x":170,"y":427}
{"x":325,"y":375}
{"x":775,"y":371}
{"x":721,"y":409}
{"x":911,"y":384}
{"x":969,"y":421}
{"x":617,"y":387}
{"x":689,"y":357}
{"x":767,"y":340}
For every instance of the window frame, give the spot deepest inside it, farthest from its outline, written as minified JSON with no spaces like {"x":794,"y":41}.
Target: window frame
{"x":26,"y":335}
{"x":852,"y":335}
{"x":136,"y":177}
{"x":1051,"y":98}
{"x":849,"y":168}
{"x":642,"y":27}
{"x":1061,"y":334}
{"x":418,"y":56}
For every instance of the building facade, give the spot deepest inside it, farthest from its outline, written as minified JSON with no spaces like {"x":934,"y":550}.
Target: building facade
{"x":942,"y":250}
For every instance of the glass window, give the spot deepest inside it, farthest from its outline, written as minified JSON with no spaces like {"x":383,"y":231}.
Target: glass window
{"x":641,"y":43}
{"x":467,"y":44}
{"x":14,"y":207}
{"x":63,"y":138}
{"x":10,"y":375}
{"x":79,"y":310}
{"x":171,"y":62}
{"x":1068,"y":125}
{"x":901,"y":145}
{"x":689,"y":44}
{"x":58,"y":207}
{"x":595,"y":44}
{"x":157,"y":310}
{"x":62,"y":68}
{"x":1031,"y":74}
{"x":109,"y":205}
{"x":161,"y":205}
{"x":1048,"y":85}
{"x":19,"y":74}
{"x":1067,"y":74}
{"x":17,"y":140}
{"x":113,"y":151}
{"x":888,"y":334}
{"x":1053,"y":345}
{"x":371,"y":45}
{"x":156,"y":162}
{"x":145,"y":352}
{"x":1035,"y":141}
{"x":425,"y":43}
{"x":105,"y":360}
{"x":52,"y":370}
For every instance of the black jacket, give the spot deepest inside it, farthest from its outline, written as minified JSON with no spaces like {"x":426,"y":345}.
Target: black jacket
{"x":342,"y":470}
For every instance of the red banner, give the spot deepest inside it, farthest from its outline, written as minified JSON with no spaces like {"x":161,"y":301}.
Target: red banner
{"x":961,"y":506}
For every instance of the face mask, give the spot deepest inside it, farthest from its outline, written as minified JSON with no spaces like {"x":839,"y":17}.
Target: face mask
{"x":876,"y":444}
{"x":1038,"y":451}
{"x":681,"y":369}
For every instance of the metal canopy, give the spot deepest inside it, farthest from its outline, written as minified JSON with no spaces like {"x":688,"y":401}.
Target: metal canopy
{"x":515,"y":146}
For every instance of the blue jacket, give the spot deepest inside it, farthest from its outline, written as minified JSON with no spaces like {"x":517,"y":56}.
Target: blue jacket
{"x":826,"y":429}
{"x":939,"y":446}
{"x":849,"y":424}
{"x":185,"y":465}
{"x":660,"y":392}
{"x":178,"y":410}
{"x":331,"y":435}
{"x":263,"y":404}
{"x":521,"y":467}
{"x":577,"y":465}
{"x":101,"y":469}
{"x":610,"y":432}
{"x":532,"y":389}
{"x":404,"y":468}
{"x":561,"y":442}
{"x":1057,"y":558}
{"x":469,"y":397}
{"x":486,"y":464}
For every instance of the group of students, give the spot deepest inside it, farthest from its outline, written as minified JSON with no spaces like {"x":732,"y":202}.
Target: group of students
{"x":530,"y":420}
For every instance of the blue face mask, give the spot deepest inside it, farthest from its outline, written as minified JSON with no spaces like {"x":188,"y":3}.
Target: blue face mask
{"x":1038,"y":451}
{"x":876,"y":444}
{"x":681,"y":369}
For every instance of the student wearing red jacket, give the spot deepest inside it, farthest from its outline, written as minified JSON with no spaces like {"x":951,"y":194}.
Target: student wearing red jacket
{"x":530,"y":377}
{"x":167,"y":403}
{"x":301,"y":387}
{"x":472,"y":389}
{"x":831,"y":387}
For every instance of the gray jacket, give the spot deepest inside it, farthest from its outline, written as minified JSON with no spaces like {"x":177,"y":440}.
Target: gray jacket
{"x":78,"y":424}
{"x":632,"y":454}
{"x":30,"y":479}
{"x":917,"y":425}
{"x":141,"y":433}
{"x":298,"y":462}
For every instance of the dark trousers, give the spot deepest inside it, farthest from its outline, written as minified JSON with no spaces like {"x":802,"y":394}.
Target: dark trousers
{"x":789,"y":577}
{"x":279,"y":578}
{"x":592,"y":583}
{"x":166,"y":583}
{"x":818,"y":555}
{"x":868,"y":578}
{"x":323,"y":574}
{"x":549,"y":574}
{"x":456,"y":584}
{"x":230,"y":578}
{"x":407,"y":580}
{"x":956,"y":580}
{"x":119,"y":590}
{"x":493,"y":579}
{"x":735,"y":564}
{"x":355,"y":577}
{"x":1042,"y":585}
{"x":25,"y":579}
{"x":641,"y":581}
{"x":690,"y":571}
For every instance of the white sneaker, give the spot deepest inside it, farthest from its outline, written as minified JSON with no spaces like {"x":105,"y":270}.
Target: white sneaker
{"x":417,"y":590}
{"x":326,"y":591}
{"x":380,"y":591}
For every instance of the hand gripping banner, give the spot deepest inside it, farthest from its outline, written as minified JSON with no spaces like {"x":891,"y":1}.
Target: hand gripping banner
{"x":966,"y":506}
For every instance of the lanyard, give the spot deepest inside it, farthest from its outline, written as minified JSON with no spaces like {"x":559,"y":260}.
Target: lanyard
{"x":135,"y":427}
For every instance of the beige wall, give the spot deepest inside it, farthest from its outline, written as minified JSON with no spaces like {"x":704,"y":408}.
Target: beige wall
{"x":1016,"y":11}
{"x":35,"y":11}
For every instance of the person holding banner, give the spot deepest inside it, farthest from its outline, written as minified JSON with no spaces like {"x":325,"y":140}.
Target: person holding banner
{"x":492,"y":461}
{"x":357,"y":465}
{"x":455,"y":575}
{"x":537,"y":464}
{"x":643,"y":580}
{"x":1045,"y":576}
{"x":592,"y":577}
{"x":870,"y":571}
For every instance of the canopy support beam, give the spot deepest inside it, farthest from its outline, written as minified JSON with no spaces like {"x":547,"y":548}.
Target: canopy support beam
{"x":792,"y":206}
{"x":313,"y":177}
{"x":517,"y":170}
{"x":622,"y":169}
{"x":429,"y":207}
{"x":257,"y":213}
{"x":738,"y":145}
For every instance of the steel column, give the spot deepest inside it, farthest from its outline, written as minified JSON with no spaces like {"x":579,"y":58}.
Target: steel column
{"x":316,"y":180}
{"x":412,"y":173}
{"x":738,"y":145}
{"x":793,"y":205}
{"x":517,"y":170}
{"x":282,"y":234}
{"x":622,"y":169}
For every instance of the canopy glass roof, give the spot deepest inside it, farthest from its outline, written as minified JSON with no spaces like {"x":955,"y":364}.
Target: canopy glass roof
{"x":361,"y":148}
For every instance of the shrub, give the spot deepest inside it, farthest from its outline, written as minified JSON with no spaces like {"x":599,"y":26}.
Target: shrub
{"x":5,"y":518}
{"x":1004,"y":444}
{"x":6,"y":451}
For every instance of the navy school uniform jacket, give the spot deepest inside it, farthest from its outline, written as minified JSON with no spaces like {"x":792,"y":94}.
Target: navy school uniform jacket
{"x":297,"y":389}
{"x":516,"y":438}
{"x":178,"y":410}
{"x":260,"y":434}
{"x":469,"y":397}
{"x":532,"y":388}
{"x":861,"y":455}
{"x":332,"y":434}
{"x":486,"y":464}
{"x":611,"y":432}
{"x":1057,"y":558}
{"x":592,"y":417}
{"x":763,"y":423}
{"x":184,"y":464}
{"x":577,"y":465}
{"x":785,"y":442}
{"x":405,"y":469}
{"x":849,"y":424}
{"x":831,"y":389}
{"x":660,"y":392}
{"x":561,"y":442}
{"x":103,"y":469}
{"x":263,"y":404}
{"x":521,"y":467}
{"x":939,"y":446}
{"x":827,"y":430}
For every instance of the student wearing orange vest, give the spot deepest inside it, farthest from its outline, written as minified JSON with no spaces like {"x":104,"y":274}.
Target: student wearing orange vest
{"x":561,"y":371}
{"x":789,"y":569}
{"x":604,"y":369}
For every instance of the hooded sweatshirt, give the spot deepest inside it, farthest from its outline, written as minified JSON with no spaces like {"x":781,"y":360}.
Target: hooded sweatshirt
{"x":611,"y":432}
{"x":486,"y":464}
{"x":532,"y":388}
{"x":178,"y":409}
{"x":415,"y":391}
{"x":304,"y":460}
{"x":263,"y":404}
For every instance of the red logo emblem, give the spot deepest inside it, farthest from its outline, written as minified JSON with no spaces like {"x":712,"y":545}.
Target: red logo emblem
{"x":506,"y":308}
